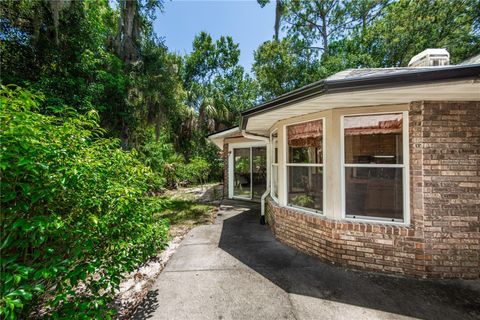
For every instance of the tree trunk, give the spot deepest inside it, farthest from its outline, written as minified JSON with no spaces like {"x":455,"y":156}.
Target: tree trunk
{"x":278,"y":18}
{"x":128,"y":31}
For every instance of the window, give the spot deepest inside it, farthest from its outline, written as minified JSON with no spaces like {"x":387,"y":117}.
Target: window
{"x":374,"y":166}
{"x":305,"y":165}
{"x":274,"y":185}
{"x":249,"y":179}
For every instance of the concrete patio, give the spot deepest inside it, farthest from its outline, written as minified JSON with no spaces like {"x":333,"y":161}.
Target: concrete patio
{"x":235,"y":269}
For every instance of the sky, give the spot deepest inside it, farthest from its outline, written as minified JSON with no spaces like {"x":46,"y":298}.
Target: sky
{"x":244,"y":20}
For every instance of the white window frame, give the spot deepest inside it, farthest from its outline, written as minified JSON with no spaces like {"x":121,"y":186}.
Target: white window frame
{"x":273,"y":163}
{"x":405,"y":171}
{"x":231,"y":147}
{"x":321,"y":165}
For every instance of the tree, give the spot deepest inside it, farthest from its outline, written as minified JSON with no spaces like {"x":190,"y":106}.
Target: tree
{"x":279,"y":9}
{"x":62,"y":52}
{"x":316,"y":22}
{"x":322,"y":21}
{"x":285,"y":65}
{"x":409,"y":27}
{"x":218,"y":88}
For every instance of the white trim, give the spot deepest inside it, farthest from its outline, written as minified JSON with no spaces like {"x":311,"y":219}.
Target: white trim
{"x":230,"y":172}
{"x":251,"y":173}
{"x":224,"y":133}
{"x":284,"y":199}
{"x":373,"y":165}
{"x":405,"y":171}
{"x":273,"y":163}
{"x":342,"y":169}
{"x":316,"y":165}
{"x":306,"y":210}
{"x":240,"y":145}
{"x":304,"y":164}
{"x":271,"y":183}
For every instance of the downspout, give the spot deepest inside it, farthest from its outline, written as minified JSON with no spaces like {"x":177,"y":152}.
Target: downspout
{"x":267,"y":189}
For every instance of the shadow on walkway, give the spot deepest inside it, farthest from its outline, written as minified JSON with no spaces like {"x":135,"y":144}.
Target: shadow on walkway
{"x":254,"y":245}
{"x":148,"y":306}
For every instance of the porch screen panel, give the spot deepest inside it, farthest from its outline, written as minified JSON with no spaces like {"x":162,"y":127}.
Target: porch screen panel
{"x":305,"y":165}
{"x":242,"y":174}
{"x":374,"y":166}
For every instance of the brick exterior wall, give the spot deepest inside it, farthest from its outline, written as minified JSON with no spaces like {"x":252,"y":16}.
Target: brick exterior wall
{"x":225,"y":170}
{"x":449,"y":162}
{"x":443,"y":240}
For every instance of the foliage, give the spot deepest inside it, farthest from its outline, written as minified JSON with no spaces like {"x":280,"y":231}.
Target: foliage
{"x":303,"y":200}
{"x":196,"y":171}
{"x":281,"y":66}
{"x":218,"y":89}
{"x":162,"y":158}
{"x":409,"y":27}
{"x":74,"y":213}
{"x":66,"y":59}
{"x":324,"y":37}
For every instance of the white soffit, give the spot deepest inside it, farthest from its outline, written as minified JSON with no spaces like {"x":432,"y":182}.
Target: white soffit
{"x":453,"y":91}
{"x":217,"y":138}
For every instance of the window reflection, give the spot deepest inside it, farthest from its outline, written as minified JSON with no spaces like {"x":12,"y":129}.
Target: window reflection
{"x":305,"y":142}
{"x":305,"y":165}
{"x":374,"y":139}
{"x":374,"y":166}
{"x":374,"y":192}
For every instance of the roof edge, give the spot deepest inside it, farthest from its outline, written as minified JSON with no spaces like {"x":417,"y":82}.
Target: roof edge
{"x":224,"y":131}
{"x":362,"y":83}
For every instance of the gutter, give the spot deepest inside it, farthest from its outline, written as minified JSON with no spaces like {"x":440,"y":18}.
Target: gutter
{"x":322,"y":87}
{"x":267,"y":189}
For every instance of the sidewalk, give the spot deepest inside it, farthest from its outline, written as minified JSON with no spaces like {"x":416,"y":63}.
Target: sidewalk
{"x":235,"y":269}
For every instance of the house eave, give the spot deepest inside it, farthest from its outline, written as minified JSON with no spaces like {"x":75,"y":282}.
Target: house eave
{"x":399,"y":79}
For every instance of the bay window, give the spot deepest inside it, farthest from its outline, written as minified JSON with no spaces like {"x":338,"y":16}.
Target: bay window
{"x":374,"y":168}
{"x":305,"y":165}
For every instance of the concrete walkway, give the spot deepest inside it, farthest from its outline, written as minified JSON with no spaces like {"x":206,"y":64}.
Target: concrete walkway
{"x":235,"y":269}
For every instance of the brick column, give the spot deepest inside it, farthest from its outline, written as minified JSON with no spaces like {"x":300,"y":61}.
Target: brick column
{"x":450,"y":168}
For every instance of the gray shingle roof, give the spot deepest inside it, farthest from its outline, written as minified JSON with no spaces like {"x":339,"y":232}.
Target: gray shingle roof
{"x":472,"y":60}
{"x":369,"y":72}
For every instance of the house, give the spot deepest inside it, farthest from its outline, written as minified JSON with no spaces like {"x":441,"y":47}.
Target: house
{"x":376,"y":169}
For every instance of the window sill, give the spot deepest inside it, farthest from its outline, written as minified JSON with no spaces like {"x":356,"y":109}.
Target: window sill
{"x":377,"y":221}
{"x":305,"y":210}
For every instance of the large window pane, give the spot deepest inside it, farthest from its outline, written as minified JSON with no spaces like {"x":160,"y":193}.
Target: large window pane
{"x":305,"y":187}
{"x":374,"y":192}
{"x":305,"y":142}
{"x":274,"y":141}
{"x":241,"y":158}
{"x":259,"y":172}
{"x":275,"y":181}
{"x":374,"y":139}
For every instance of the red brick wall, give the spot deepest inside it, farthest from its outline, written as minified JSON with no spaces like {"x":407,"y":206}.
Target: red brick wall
{"x":443,"y":239}
{"x":449,"y":160}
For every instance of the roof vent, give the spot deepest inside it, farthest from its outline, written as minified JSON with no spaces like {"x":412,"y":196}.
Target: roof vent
{"x":431,"y":58}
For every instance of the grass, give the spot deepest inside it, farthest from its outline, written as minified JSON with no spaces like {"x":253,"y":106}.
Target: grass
{"x":186,"y":208}
{"x":188,"y":212}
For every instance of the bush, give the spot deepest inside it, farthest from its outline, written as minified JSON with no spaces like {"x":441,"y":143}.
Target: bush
{"x":196,"y":171}
{"x":163,"y":160}
{"x":74,"y":215}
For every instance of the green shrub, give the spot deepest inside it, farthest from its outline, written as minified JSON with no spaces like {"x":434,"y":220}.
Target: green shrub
{"x":74,"y":215}
{"x":196,"y":171}
{"x":164,"y":161}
